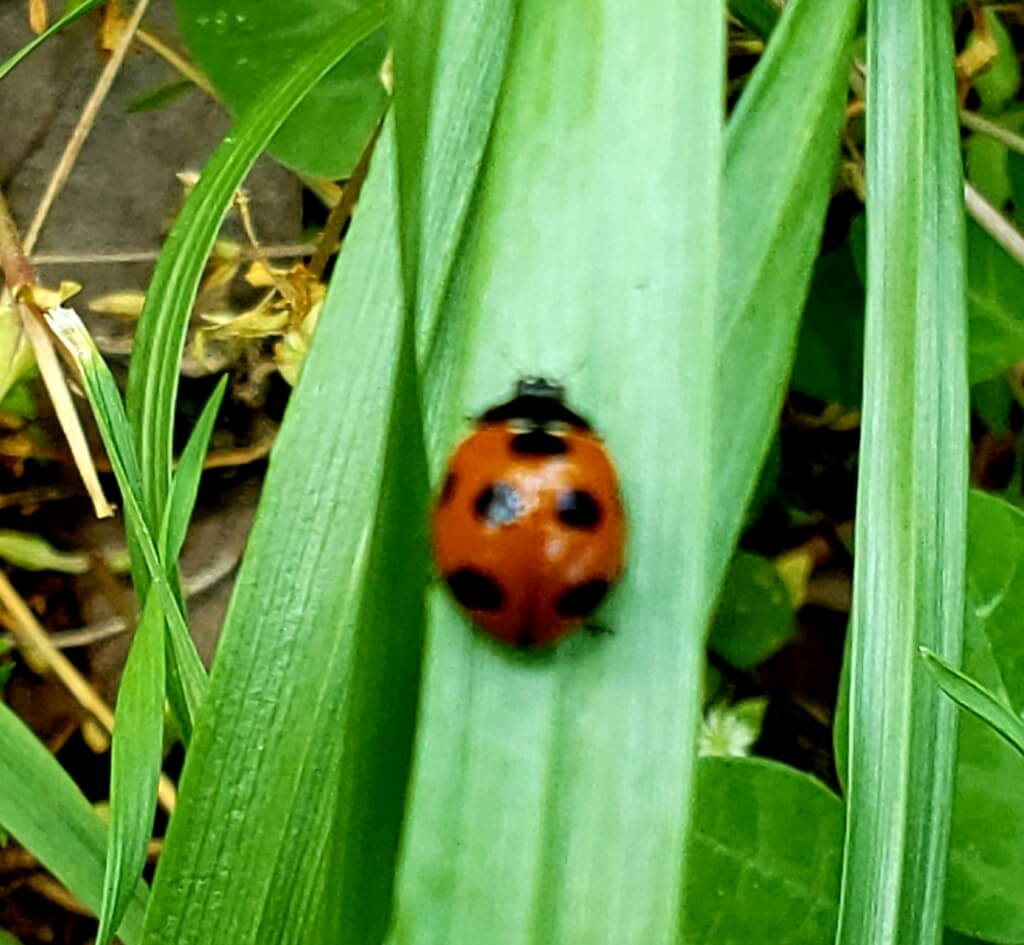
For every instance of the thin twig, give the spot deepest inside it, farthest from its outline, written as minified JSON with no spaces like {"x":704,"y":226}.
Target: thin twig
{"x":31,"y":635}
{"x":994,"y":223}
{"x":991,"y":129}
{"x":179,"y":62}
{"x":84,"y":126}
{"x":272,"y":251}
{"x":341,"y":212}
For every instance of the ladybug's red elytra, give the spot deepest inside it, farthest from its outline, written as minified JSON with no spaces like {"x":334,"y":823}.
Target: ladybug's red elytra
{"x":528,"y":531}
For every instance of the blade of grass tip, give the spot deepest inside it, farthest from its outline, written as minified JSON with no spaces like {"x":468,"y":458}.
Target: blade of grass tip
{"x":47,"y":813}
{"x":101,"y":389}
{"x":185,"y":485}
{"x":136,"y":756}
{"x":415,"y":33}
{"x":781,"y":150}
{"x":912,"y":493}
{"x":160,"y":335}
{"x":73,"y":14}
{"x":976,"y":699}
{"x":563,"y":780}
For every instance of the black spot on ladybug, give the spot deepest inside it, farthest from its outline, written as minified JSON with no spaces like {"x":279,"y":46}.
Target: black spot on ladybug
{"x":498,"y":504}
{"x":580,"y":600}
{"x":538,"y":443}
{"x":448,"y":489}
{"x":475,"y":591}
{"x":578,"y":509}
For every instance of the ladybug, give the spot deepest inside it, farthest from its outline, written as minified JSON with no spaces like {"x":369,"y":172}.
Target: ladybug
{"x":528,"y":530}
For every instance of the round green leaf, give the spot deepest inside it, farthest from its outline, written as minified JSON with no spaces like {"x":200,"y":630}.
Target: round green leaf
{"x":242,"y":46}
{"x":765,"y":848}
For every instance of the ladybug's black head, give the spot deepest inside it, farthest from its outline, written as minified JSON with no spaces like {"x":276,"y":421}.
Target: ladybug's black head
{"x":538,"y":402}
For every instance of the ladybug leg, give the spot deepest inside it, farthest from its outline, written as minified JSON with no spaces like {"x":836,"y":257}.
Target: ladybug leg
{"x":597,"y":629}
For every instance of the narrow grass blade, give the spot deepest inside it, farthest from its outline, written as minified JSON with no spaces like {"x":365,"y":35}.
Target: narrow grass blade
{"x":415,"y":35}
{"x":105,"y":400}
{"x":558,"y":785}
{"x":136,"y":756}
{"x":912,"y":495}
{"x":185,"y":484}
{"x":969,"y":694}
{"x":46,"y":812}
{"x":160,"y":336}
{"x":66,"y":20}
{"x":781,"y":148}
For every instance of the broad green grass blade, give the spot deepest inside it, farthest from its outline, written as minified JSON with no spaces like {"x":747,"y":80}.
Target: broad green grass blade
{"x":153,"y":375}
{"x":969,"y":694}
{"x":185,"y":484}
{"x":136,"y":756}
{"x":46,"y":812}
{"x":781,"y":148}
{"x":551,"y":792}
{"x":912,"y":501}
{"x":107,"y":408}
{"x":31,"y":46}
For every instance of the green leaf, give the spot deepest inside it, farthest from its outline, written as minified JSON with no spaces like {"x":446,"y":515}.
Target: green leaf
{"x":35,"y":553}
{"x":72,"y":14}
{"x":765,"y":848}
{"x":185,"y":485}
{"x":995,"y":288}
{"x":971,"y":695}
{"x":986,"y":860}
{"x":136,"y":756}
{"x":911,"y":510}
{"x":43,"y":808}
{"x":243,"y":46}
{"x":781,"y":151}
{"x":830,"y":351}
{"x":997,"y":86}
{"x":754,"y":617}
{"x":595,"y":270}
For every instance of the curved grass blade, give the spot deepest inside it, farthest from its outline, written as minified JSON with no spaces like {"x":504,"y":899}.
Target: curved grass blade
{"x":160,"y":337}
{"x":136,"y":755}
{"x":105,"y":400}
{"x":80,"y":10}
{"x":912,"y":495}
{"x":561,"y":782}
{"x":969,"y":694}
{"x":781,"y":147}
{"x":44,"y":809}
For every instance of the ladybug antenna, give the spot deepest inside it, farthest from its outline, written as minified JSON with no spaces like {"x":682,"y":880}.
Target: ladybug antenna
{"x":539,"y":387}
